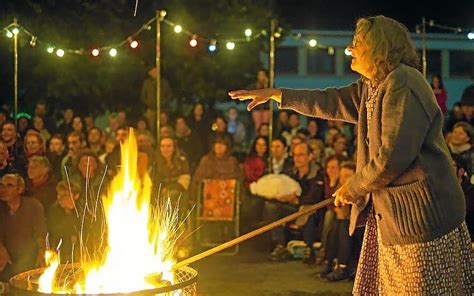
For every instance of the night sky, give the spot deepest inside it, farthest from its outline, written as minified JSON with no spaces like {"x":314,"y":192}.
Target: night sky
{"x":338,"y":14}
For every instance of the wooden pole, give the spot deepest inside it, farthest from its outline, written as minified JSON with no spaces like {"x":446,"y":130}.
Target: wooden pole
{"x":271,"y":73}
{"x":158,"y":75}
{"x":15,"y":71}
{"x":254,"y":233}
{"x":423,"y":41}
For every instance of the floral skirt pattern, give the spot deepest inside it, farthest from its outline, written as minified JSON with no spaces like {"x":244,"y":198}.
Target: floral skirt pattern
{"x":444,"y":266}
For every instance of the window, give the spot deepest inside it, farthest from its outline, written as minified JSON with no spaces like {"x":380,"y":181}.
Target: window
{"x":461,"y":62}
{"x":433,"y":62}
{"x":286,"y":60}
{"x":320,"y":62}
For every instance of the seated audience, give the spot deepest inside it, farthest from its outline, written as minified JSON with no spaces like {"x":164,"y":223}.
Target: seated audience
{"x":339,"y":244}
{"x":22,"y":228}
{"x":41,"y":183}
{"x":217,"y":164}
{"x":56,"y":153}
{"x":172,"y":174}
{"x":311,"y":180}
{"x":64,"y":221}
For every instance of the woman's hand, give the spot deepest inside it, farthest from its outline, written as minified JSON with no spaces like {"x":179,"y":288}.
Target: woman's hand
{"x":342,"y":197}
{"x":258,"y":96}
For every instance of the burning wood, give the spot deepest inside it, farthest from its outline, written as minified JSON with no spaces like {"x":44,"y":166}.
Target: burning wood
{"x":140,"y":241}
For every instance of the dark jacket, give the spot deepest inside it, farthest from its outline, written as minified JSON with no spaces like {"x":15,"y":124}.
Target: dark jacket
{"x":287,"y":166}
{"x":21,"y":234}
{"x":312,"y":185}
{"x":403,"y":162}
{"x":55,"y":161}
{"x":64,"y":227}
{"x":467,"y":156}
{"x":193,"y":147}
{"x":45,"y":193}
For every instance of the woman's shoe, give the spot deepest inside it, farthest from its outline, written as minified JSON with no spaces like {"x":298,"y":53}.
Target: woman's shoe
{"x":340,"y":273}
{"x":280,"y":253}
{"x":323,"y":269}
{"x":310,"y":257}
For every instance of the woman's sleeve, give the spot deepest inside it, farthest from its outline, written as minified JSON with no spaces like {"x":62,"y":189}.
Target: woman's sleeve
{"x":331,"y":103}
{"x":405,"y":123}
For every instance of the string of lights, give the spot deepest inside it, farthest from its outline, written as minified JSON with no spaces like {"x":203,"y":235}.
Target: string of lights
{"x":457,"y":30}
{"x":310,"y":41}
{"x":132,"y":40}
{"x":194,"y":39}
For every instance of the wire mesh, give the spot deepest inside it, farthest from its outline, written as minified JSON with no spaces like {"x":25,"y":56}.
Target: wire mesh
{"x":185,"y":279}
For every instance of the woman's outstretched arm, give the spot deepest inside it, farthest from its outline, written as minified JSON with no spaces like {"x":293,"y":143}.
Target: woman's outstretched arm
{"x":331,"y":103}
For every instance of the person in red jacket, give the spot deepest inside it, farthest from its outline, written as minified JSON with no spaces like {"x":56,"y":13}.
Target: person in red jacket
{"x":255,"y":164}
{"x":440,"y":92}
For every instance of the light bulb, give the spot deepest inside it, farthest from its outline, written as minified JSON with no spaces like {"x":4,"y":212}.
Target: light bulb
{"x":60,"y":53}
{"x":113,"y":52}
{"x":313,"y":42}
{"x":95,"y":52}
{"x":248,"y":32}
{"x":134,"y":44}
{"x":212,"y":45}
{"x":230,"y":45}
{"x":193,"y":41}
{"x":178,"y":29}
{"x":33,"y":41}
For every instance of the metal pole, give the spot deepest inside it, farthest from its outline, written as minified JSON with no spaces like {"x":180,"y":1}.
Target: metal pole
{"x":15,"y":70}
{"x":271,"y":73}
{"x":423,"y":41}
{"x":158,"y":75}
{"x":311,"y":209}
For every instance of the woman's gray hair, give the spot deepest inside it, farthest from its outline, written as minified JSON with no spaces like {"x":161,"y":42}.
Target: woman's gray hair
{"x":389,"y":45}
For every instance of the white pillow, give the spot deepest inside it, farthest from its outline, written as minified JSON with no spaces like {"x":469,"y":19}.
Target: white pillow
{"x":274,"y":186}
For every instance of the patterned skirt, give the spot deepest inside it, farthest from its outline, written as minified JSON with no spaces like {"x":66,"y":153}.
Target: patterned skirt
{"x":444,"y":266}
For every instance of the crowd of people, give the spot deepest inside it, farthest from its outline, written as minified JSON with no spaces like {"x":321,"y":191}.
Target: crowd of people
{"x":52,"y":172}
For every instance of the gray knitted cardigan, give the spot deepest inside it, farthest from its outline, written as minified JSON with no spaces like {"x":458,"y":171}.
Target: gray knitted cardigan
{"x":403,"y":163}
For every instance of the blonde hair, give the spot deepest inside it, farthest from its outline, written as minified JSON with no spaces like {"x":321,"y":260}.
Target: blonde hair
{"x":19,"y":179}
{"x":68,"y":186}
{"x":42,"y":161}
{"x":389,"y":45}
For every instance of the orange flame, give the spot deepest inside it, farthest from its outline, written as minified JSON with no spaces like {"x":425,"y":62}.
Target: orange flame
{"x":140,"y":241}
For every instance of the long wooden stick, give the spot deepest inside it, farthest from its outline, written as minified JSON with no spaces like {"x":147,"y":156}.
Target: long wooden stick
{"x":254,"y":233}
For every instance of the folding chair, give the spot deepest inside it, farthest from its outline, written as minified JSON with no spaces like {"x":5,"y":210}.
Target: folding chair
{"x":218,"y":213}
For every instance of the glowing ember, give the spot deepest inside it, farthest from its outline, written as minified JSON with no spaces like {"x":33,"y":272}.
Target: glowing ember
{"x":140,"y":239}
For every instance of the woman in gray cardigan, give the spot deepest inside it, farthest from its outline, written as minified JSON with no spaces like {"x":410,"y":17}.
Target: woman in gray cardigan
{"x":405,"y":190}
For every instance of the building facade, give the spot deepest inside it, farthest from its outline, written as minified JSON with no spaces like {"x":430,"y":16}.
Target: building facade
{"x":297,"y":65}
